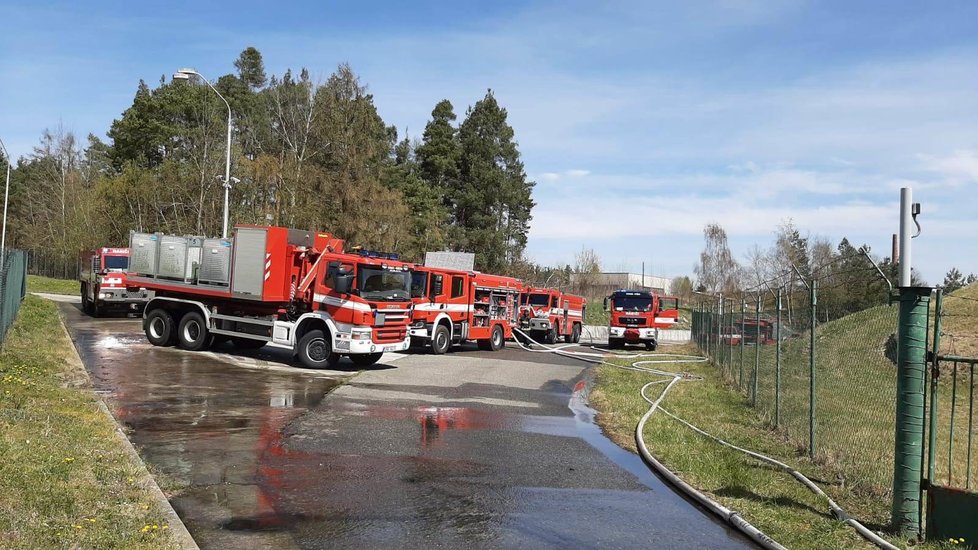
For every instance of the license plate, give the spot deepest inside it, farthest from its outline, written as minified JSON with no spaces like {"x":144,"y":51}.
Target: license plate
{"x":390,"y":348}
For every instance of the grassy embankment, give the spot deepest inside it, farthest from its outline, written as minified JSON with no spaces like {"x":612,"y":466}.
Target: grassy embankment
{"x":36,"y":283}
{"x":65,"y":479}
{"x":854,"y":428}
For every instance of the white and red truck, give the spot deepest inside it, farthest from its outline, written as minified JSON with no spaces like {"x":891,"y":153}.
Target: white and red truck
{"x":547,"y":314}
{"x":637,"y":315}
{"x":452,"y":307}
{"x":293,"y":288}
{"x":104,"y":283}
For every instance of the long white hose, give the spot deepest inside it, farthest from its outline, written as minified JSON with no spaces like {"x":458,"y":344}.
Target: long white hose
{"x":723,"y":512}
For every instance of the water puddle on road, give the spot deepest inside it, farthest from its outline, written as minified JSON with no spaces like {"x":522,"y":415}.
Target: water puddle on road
{"x":210,"y":431}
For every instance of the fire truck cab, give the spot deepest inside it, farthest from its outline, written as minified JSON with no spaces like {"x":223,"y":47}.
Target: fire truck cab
{"x":104,"y":286}
{"x":547,"y":314}
{"x":451,"y":307}
{"x":637,"y":315}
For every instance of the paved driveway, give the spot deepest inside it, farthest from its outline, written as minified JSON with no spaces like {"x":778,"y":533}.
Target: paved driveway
{"x":469,"y":449}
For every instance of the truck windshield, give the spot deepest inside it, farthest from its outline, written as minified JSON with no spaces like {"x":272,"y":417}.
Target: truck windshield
{"x":116,"y":262}
{"x":539,"y":300}
{"x":377,"y":283}
{"x":419,"y":284}
{"x":632,"y":303}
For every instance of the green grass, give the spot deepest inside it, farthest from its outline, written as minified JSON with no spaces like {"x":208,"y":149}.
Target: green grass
{"x":769,"y":499}
{"x":36,"y":283}
{"x":65,"y":479}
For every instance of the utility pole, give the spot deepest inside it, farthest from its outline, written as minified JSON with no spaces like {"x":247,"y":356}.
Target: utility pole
{"x":911,"y":369}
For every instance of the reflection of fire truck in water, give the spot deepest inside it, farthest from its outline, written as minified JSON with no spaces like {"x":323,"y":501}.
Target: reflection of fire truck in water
{"x":451,"y":307}
{"x":637,"y":315}
{"x":547,"y":314}
{"x":104,"y":286}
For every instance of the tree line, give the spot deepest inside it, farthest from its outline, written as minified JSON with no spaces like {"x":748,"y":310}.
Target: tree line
{"x":850,"y":278}
{"x":305,"y":154}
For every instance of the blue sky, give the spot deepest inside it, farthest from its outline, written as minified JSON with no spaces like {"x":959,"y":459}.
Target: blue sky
{"x":640,"y":121}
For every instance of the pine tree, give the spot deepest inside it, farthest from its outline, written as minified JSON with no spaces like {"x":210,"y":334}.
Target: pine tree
{"x":492,"y":201}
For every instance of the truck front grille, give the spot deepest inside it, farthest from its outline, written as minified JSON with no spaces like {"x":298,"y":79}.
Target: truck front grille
{"x":389,"y":335}
{"x":633,"y":321}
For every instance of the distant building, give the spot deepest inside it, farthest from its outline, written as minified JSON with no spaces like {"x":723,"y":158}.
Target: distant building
{"x":606,"y":283}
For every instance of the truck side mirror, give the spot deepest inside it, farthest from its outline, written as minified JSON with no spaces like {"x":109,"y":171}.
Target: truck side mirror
{"x":437,"y":285}
{"x":606,"y":303}
{"x":343,"y":282}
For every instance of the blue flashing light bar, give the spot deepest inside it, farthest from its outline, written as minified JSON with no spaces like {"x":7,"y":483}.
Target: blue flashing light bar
{"x":380,"y":255}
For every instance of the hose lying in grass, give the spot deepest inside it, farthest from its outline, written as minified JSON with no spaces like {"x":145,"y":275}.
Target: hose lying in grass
{"x":726,"y":514}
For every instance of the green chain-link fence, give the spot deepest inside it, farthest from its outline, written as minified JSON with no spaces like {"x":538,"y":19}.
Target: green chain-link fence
{"x":768,"y":353}
{"x":13,"y":287}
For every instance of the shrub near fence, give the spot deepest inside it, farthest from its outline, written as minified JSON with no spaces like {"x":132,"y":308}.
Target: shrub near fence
{"x":854,"y":383}
{"x":13,"y":287}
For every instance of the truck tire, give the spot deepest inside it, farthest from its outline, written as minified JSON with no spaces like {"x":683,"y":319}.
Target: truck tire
{"x":650,"y":346}
{"x":366,"y":359}
{"x":496,"y":340}
{"x":192,"y":334}
{"x":615,"y":343}
{"x":86,"y":303}
{"x":159,"y":327}
{"x":440,"y":340}
{"x":247,"y":343}
{"x":316,"y":351}
{"x":576,"y":337}
{"x":551,"y":337}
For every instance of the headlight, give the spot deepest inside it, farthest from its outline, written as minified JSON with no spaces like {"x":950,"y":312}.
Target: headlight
{"x":360,"y":335}
{"x":104,"y":295}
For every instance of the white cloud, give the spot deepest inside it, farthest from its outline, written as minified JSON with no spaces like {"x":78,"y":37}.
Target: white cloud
{"x":961,"y":166}
{"x":577,"y":173}
{"x":549,"y":176}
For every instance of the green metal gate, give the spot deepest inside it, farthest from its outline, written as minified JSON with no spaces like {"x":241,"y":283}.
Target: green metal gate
{"x":952,"y":475}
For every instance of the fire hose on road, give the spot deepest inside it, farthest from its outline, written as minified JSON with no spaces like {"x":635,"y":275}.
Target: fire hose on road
{"x":597,"y":357}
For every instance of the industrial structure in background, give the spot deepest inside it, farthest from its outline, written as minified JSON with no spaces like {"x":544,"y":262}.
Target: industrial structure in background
{"x":105,"y":285}
{"x":603,"y":284}
{"x":452,"y":307}
{"x":547,"y":314}
{"x":637,"y":315}
{"x":290,"y":287}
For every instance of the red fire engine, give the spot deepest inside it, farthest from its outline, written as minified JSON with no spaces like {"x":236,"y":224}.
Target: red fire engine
{"x":104,"y":286}
{"x":547,"y":314}
{"x":637,"y":315}
{"x":451,"y":307}
{"x":271,"y":284}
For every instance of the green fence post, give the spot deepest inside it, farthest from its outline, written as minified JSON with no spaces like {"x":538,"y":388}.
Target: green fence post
{"x":777,"y":367}
{"x":757,"y":352}
{"x":911,"y":354}
{"x":934,"y":375}
{"x":812,"y":300}
{"x":743,"y":334}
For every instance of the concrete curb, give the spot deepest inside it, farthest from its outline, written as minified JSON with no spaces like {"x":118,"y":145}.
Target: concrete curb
{"x":178,"y":531}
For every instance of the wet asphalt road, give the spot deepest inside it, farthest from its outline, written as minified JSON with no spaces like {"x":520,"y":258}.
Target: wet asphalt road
{"x":470,"y":449}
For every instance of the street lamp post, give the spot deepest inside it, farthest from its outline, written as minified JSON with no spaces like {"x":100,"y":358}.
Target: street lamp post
{"x":184,"y":74}
{"x":6,"y":193}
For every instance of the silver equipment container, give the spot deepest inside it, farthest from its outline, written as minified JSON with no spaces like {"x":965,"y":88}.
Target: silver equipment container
{"x":215,"y":262}
{"x":143,"y":248}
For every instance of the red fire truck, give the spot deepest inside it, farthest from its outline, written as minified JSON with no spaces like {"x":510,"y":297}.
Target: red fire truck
{"x":547,"y":314}
{"x":271,"y":284}
{"x":637,"y":315}
{"x":104,"y":286}
{"x":451,"y":307}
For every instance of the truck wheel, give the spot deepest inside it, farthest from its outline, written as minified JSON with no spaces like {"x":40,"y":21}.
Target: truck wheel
{"x":366,"y":359}
{"x":247,"y":343}
{"x":316,"y":351}
{"x":86,"y":303}
{"x":650,"y":346}
{"x":159,"y":327}
{"x":615,"y":343}
{"x":576,"y":335}
{"x":496,"y":340}
{"x":192,"y":332}
{"x":440,"y":340}
{"x":551,"y":337}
